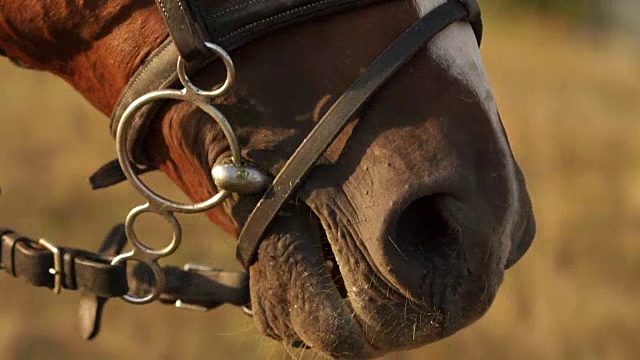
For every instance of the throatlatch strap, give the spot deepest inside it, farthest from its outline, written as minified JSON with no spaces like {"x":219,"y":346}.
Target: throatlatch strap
{"x":304,"y":158}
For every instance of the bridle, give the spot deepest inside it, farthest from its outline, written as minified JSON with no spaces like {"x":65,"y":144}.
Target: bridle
{"x":103,"y":275}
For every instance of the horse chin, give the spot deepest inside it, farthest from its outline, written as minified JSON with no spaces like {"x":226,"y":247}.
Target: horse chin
{"x":316,"y":285}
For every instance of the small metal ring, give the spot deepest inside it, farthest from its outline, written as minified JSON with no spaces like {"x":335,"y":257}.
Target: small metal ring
{"x":150,"y":254}
{"x":228,"y":81}
{"x":158,"y":276}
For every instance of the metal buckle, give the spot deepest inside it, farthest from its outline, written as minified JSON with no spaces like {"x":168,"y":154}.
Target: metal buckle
{"x":181,"y":304}
{"x":56,"y":271}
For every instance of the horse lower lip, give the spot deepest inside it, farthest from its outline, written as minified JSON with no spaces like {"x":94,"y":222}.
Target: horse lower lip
{"x":293,"y":297}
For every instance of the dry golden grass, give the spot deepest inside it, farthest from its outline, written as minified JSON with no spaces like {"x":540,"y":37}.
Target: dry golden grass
{"x":571,"y":105}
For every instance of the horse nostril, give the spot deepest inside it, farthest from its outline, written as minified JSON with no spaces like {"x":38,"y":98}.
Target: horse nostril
{"x":423,"y":227}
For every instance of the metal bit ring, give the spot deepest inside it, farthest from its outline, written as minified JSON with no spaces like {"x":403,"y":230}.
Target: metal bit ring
{"x":158,"y":276}
{"x":190,"y":93}
{"x":156,"y":203}
{"x":220,"y":90}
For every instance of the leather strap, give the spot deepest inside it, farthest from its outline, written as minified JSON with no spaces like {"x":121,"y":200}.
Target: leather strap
{"x":185,"y":29}
{"x":196,"y":286}
{"x":78,"y":270}
{"x":474,"y":18}
{"x":91,"y":306}
{"x":304,"y":158}
{"x":201,"y":287}
{"x":111,"y":173}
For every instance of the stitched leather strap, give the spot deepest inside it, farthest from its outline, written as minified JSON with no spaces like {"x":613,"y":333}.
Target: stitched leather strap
{"x":184,"y":28}
{"x":304,"y":158}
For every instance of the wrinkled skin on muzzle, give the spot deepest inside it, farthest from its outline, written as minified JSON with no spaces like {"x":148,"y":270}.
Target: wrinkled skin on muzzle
{"x":401,"y":234}
{"x":400,"y":238}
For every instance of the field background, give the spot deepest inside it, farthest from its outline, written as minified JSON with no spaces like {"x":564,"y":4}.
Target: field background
{"x":570,"y":99}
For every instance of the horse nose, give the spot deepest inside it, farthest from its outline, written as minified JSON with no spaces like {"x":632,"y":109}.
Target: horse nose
{"x":431,"y":228}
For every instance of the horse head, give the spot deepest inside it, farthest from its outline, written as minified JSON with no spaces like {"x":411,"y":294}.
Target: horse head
{"x":401,"y":233}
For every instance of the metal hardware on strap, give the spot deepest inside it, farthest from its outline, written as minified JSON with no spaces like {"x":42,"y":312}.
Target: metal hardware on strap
{"x":163,"y":206}
{"x":156,"y":203}
{"x":56,"y":271}
{"x":186,"y":306}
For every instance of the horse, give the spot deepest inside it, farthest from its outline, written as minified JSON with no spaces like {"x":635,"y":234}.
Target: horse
{"x":400,"y":233}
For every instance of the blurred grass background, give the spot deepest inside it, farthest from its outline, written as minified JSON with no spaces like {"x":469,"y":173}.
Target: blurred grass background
{"x":567,"y":82}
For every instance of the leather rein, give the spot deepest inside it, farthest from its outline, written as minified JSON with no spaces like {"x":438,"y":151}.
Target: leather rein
{"x":104,"y":274}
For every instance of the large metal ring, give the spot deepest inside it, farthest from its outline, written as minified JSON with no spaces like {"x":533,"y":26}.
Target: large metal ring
{"x":157,"y":201}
